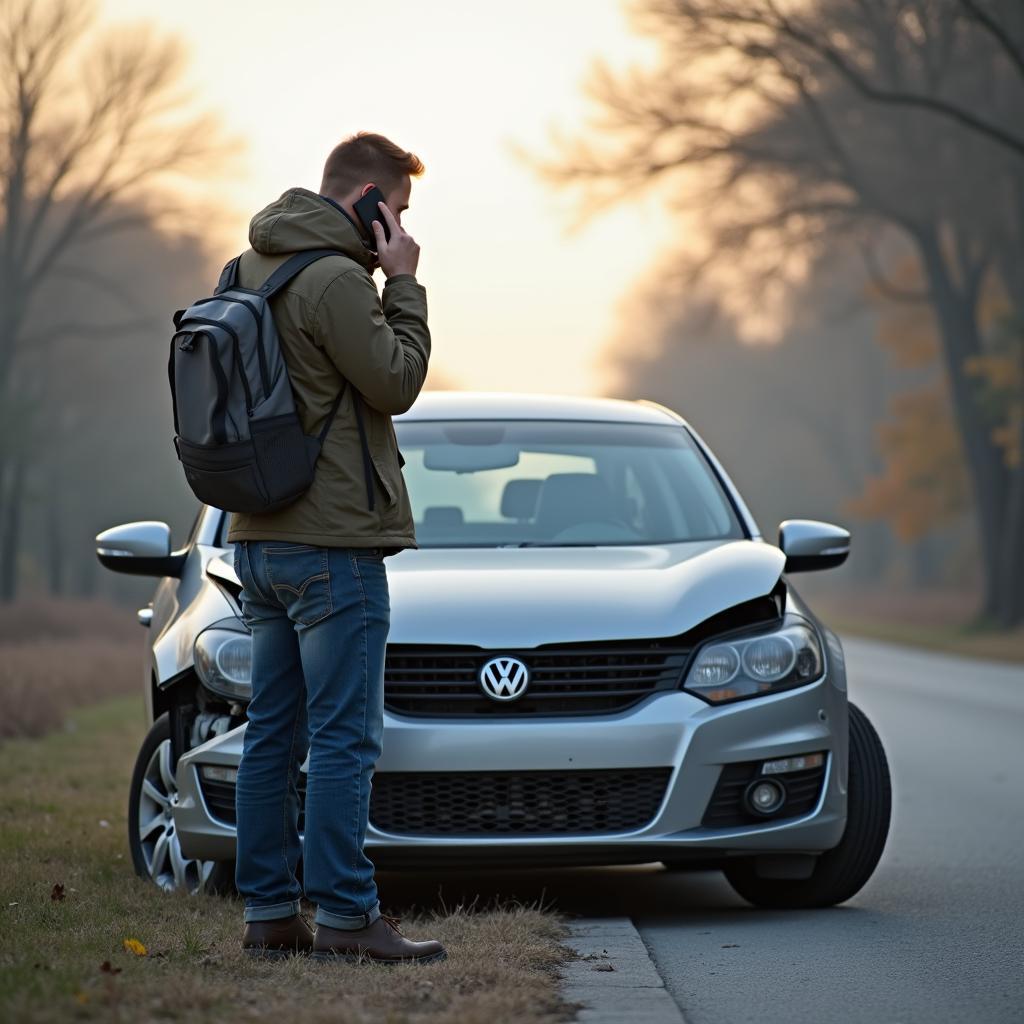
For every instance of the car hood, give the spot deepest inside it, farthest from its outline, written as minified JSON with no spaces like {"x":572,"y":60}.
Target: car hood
{"x":524,"y":597}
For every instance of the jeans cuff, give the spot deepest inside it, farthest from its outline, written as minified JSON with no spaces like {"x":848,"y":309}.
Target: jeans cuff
{"x":272,"y":912}
{"x":345,"y":923}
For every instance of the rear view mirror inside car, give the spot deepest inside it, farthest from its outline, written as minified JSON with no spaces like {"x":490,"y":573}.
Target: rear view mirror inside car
{"x":470,"y":458}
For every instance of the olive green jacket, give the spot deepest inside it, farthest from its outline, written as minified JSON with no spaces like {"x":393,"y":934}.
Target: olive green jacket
{"x":333,"y":325}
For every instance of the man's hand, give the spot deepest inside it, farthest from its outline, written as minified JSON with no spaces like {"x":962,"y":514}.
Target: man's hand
{"x":401,"y":255}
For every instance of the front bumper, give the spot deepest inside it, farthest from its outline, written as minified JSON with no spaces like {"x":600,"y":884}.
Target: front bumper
{"x":673,"y":730}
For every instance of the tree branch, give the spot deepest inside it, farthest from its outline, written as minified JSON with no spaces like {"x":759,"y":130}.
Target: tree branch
{"x":997,"y":31}
{"x":899,"y":98}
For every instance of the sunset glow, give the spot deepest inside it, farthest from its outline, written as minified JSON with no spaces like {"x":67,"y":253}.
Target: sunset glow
{"x":516,"y":300}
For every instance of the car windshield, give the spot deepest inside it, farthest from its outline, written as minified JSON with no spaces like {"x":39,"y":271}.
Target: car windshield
{"x":490,"y":483}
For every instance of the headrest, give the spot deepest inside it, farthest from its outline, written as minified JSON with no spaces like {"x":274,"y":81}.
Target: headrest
{"x":519,"y":498}
{"x":569,"y":498}
{"x":443,"y":515}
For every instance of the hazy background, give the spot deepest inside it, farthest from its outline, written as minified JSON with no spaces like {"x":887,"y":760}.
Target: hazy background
{"x":814,"y":254}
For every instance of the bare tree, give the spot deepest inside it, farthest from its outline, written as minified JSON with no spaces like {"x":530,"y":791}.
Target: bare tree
{"x":86,"y":124}
{"x":790,"y":127}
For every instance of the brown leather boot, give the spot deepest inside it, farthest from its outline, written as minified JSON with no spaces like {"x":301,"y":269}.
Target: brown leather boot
{"x":381,"y":943}
{"x":277,"y":939}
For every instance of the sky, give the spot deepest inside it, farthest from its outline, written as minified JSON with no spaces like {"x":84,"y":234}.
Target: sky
{"x":517,"y":301}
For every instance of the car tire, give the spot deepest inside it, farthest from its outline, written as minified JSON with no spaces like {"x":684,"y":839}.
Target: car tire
{"x":156,"y":852}
{"x":842,"y":871}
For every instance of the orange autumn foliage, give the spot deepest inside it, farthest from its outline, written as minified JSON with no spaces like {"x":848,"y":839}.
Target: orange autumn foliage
{"x":924,"y":484}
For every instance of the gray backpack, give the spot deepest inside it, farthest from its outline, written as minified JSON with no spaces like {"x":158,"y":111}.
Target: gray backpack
{"x":237,"y":433}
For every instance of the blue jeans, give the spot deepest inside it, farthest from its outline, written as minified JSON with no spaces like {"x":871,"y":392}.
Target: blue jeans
{"x":319,"y":619}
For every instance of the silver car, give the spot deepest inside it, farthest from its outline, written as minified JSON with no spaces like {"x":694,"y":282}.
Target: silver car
{"x":594,"y":658}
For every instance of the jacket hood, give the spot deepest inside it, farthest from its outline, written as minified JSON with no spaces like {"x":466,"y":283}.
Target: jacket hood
{"x":302,"y":220}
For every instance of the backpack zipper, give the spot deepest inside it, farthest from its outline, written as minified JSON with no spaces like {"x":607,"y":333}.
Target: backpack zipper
{"x":238,"y":357}
{"x":261,"y":355}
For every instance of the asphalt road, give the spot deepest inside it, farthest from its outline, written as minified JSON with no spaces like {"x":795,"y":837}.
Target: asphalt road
{"x":937,"y":934}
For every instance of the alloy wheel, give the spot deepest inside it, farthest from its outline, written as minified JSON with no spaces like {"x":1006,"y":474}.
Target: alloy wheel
{"x":161,"y":850}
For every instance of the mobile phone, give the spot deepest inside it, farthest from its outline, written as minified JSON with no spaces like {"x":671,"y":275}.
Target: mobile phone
{"x":367,"y":210}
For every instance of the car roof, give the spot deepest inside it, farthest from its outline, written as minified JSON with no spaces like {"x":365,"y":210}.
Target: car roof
{"x":513,"y":405}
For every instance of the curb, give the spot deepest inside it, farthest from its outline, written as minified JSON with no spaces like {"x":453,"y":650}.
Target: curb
{"x":614,"y":978}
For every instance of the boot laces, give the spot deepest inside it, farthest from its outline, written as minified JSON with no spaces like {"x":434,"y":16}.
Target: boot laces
{"x":392,"y":923}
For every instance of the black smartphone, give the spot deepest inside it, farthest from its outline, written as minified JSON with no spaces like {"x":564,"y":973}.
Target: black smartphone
{"x":367,"y":210}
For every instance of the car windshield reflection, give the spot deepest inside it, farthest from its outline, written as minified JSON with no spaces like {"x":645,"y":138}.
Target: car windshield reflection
{"x":534,"y":483}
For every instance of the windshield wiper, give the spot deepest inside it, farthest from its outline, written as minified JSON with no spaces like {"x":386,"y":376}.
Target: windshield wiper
{"x":552,"y":544}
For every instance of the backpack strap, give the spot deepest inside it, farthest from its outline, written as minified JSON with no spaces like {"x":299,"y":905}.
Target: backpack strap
{"x":273,"y":284}
{"x":291,"y":266}
{"x":228,"y":276}
{"x":332,"y":412}
{"x":367,"y":469}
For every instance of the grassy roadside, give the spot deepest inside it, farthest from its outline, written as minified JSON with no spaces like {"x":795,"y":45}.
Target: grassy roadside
{"x":60,"y":654}
{"x":936,"y":619}
{"x":63,"y":954}
{"x":999,"y":646}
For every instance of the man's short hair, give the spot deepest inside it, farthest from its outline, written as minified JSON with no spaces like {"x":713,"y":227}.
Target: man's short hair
{"x":366,"y":157}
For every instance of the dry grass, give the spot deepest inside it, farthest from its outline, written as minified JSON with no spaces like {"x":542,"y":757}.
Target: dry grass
{"x":62,"y":821}
{"x":54,"y":619}
{"x":60,"y":655}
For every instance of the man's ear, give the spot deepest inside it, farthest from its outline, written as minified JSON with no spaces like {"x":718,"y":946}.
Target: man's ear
{"x":366,"y":188}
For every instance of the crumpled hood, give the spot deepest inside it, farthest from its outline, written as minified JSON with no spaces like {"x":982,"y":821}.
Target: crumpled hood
{"x":524,"y":597}
{"x":302,"y":220}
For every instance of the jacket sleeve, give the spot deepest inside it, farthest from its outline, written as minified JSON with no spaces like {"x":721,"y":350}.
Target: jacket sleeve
{"x":382,"y":350}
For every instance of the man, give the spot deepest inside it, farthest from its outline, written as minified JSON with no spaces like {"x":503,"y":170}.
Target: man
{"x":315,"y":592}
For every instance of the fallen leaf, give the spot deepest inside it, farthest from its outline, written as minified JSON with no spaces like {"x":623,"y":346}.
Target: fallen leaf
{"x":108,"y":968}
{"x":603,"y":967}
{"x":57,"y":892}
{"x":134,"y":946}
{"x":14,"y":904}
{"x":82,"y":997}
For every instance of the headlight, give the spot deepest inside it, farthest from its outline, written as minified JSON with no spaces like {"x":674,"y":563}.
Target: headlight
{"x":224,"y":662}
{"x":750,"y":666}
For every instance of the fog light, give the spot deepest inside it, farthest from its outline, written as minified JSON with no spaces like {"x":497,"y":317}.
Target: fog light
{"x":219,"y":773}
{"x":764,"y":796}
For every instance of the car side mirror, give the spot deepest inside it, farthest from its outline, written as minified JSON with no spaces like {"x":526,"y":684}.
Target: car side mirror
{"x":139,"y":549}
{"x":810,"y":545}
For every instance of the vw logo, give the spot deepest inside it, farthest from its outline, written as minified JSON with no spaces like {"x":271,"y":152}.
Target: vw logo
{"x":504,"y":678}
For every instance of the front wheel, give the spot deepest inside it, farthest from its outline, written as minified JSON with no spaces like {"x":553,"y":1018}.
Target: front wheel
{"x":156,"y":851}
{"x":841,"y":872}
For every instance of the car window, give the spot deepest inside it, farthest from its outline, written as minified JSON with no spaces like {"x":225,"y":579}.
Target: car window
{"x":526,"y":482}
